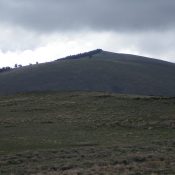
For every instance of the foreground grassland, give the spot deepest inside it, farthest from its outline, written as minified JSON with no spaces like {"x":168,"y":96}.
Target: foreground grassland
{"x":86,"y":133}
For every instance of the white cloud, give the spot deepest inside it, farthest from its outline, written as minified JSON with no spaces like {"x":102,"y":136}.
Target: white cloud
{"x":52,"y":47}
{"x":22,"y":47}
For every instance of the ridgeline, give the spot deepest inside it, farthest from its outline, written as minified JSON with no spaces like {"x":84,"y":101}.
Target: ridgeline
{"x":96,"y":70}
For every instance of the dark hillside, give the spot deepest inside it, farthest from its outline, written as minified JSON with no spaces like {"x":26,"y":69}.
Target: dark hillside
{"x":97,"y":71}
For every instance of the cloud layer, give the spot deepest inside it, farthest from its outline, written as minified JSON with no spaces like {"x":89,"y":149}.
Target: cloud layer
{"x":61,"y":15}
{"x":44,"y":30}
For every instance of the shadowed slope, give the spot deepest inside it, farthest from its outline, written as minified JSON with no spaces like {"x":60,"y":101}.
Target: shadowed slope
{"x":104,"y":71}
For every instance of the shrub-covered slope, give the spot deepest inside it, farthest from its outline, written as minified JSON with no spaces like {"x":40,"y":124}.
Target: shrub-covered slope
{"x":101,"y":71}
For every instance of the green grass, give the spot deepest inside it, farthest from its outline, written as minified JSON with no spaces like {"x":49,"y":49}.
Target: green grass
{"x":86,"y":133}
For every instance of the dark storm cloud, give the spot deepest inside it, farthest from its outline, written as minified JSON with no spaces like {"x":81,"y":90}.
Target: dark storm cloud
{"x":61,"y":15}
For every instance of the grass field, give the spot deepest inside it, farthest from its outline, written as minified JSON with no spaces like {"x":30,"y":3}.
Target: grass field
{"x":87,"y":133}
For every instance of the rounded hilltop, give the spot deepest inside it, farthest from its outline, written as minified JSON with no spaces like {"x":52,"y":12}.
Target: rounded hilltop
{"x":96,"y":70}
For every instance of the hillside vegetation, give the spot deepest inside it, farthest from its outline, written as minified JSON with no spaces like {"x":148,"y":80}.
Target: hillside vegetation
{"x":75,"y":133}
{"x":94,"y":71}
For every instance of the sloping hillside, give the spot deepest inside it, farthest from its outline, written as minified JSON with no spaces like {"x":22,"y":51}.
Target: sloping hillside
{"x":102,"y":71}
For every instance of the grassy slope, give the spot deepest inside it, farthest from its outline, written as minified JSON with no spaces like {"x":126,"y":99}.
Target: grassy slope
{"x":106,"y":71}
{"x":86,"y":133}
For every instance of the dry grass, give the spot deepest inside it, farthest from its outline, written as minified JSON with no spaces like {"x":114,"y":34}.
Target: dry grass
{"x":86,"y":133}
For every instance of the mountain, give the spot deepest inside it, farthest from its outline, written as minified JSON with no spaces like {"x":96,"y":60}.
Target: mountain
{"x":97,"y":70}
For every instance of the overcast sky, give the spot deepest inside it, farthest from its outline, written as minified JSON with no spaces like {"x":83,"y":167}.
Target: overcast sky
{"x":44,"y":30}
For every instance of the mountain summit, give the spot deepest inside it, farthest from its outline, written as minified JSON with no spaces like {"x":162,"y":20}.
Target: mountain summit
{"x":96,"y":70}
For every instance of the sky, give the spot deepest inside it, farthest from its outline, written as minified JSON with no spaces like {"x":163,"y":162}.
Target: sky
{"x":44,"y":30}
